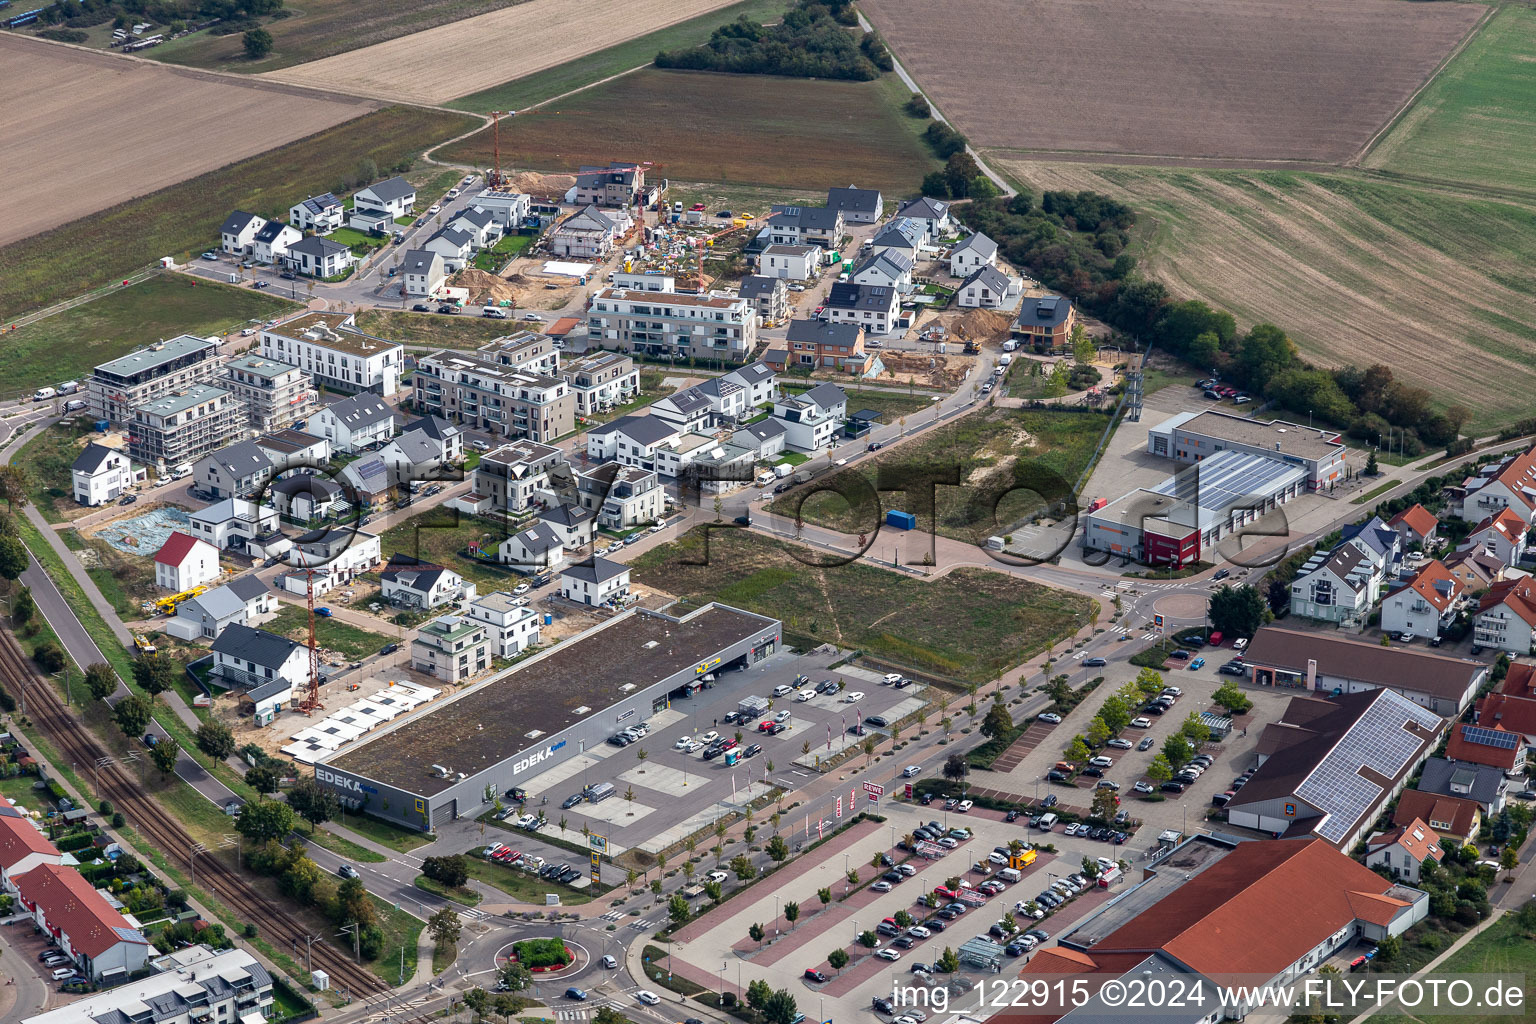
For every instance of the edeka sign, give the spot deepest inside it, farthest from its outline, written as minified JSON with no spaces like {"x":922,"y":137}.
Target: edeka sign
{"x":533,"y":759}
{"x":341,"y":782}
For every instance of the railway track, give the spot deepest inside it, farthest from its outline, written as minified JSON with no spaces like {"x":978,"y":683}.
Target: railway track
{"x":80,"y":746}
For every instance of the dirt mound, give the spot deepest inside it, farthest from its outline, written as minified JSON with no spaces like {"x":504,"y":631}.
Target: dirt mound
{"x":544,"y":186}
{"x":982,"y":325}
{"x":485,"y":287}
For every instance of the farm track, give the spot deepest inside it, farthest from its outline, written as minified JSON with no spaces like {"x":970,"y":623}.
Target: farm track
{"x":117,"y":785}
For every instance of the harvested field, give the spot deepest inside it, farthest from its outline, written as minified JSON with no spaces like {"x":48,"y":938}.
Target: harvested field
{"x":84,"y":131}
{"x":699,"y":126}
{"x":1431,"y":281}
{"x":506,"y":44}
{"x":1286,"y":80}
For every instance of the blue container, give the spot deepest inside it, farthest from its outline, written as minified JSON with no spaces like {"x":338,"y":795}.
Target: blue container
{"x":549,"y":620}
{"x":900,"y":520}
{"x":102,"y":425}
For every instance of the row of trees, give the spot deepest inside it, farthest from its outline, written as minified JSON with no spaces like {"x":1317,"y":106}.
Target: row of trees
{"x":345,"y":902}
{"x":1115,"y":714}
{"x":811,"y":42}
{"x":122,"y":13}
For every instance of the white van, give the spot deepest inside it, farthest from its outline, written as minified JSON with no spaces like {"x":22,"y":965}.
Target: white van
{"x":43,"y":394}
{"x":1010,"y":874}
{"x":783,"y":690}
{"x":1047,"y":822}
{"x":1004,"y":360}
{"x":494,"y":312}
{"x":69,"y":387}
{"x":765,"y":477}
{"x":783,"y":471}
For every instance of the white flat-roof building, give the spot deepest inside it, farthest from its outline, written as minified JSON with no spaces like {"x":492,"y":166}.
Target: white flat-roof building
{"x":118,"y":385}
{"x":330,"y":348}
{"x":672,"y":324}
{"x":1192,"y":437}
{"x":510,"y":625}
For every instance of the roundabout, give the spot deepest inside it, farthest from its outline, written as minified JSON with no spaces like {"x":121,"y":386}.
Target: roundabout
{"x":539,"y":949}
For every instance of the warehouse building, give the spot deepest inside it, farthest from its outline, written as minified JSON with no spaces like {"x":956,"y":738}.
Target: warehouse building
{"x":1179,"y":522}
{"x":437,"y":766}
{"x":1192,"y":437}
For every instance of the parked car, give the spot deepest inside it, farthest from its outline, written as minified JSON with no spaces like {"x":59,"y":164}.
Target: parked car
{"x":812,"y":974}
{"x":1049,"y":717}
{"x":1119,"y":744}
{"x":1094,"y":662}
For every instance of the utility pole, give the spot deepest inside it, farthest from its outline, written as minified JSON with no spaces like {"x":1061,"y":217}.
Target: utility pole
{"x":356,"y":933}
{"x":192,"y":853}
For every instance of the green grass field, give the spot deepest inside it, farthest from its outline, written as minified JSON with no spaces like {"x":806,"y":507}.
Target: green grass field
{"x":432,"y":330}
{"x":1432,"y":281}
{"x":330,"y":633}
{"x":724,"y":128}
{"x":970,"y":624}
{"x":893,"y":405}
{"x":438,"y":535}
{"x":1475,"y":122}
{"x":556,"y":81}
{"x":184,"y":219}
{"x":66,"y":345}
{"x":1503,"y":948}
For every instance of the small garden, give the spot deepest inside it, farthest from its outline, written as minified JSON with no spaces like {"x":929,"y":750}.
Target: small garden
{"x":543,"y":954}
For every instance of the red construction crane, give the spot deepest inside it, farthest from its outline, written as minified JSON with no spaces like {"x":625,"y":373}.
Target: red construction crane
{"x":703,"y":245}
{"x":311,"y":701}
{"x":495,"y":179}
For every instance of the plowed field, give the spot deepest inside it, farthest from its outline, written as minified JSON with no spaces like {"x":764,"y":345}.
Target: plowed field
{"x":1270,"y":80}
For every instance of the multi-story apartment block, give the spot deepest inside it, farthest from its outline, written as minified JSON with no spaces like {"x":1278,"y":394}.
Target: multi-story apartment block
{"x":451,"y":648}
{"x":115,"y":387}
{"x":330,"y":348}
{"x":601,"y":381}
{"x":514,"y":473}
{"x":671,"y":325}
{"x":509,"y":623}
{"x":183,"y":426}
{"x":622,"y":496}
{"x":487,"y":396}
{"x":275,"y":395}
{"x":193,"y":985}
{"x":618,"y":184}
{"x":526,"y":351}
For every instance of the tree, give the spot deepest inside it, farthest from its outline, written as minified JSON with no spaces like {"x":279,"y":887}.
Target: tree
{"x":155,"y":673}
{"x":1371,"y":469}
{"x":258,"y":43}
{"x":792,"y":913}
{"x":13,"y":557}
{"x":1233,"y":699}
{"x":1082,"y":345}
{"x":49,"y":656}
{"x":956,"y":768}
{"x":677,"y":909}
{"x":1104,"y":803}
{"x":164,"y":755}
{"x":1194,"y":730}
{"x":23,"y":607}
{"x":1160,"y":770}
{"x":1059,"y":380}
{"x":755,"y":933}
{"x":444,"y":927}
{"x":949,"y":962}
{"x":1077,"y":750}
{"x":261,"y":820}
{"x":778,"y":849}
{"x":131,"y":715}
{"x":869,"y":748}
{"x":263,"y":777}
{"x":688,"y":870}
{"x":838,"y":959}
{"x":1238,"y":611}
{"x":997,"y":721}
{"x":959,"y":171}
{"x":1264,"y":352}
{"x":102,"y":682}
{"x":758,"y":993}
{"x":1176,"y":749}
{"x":780,"y":1008}
{"x":825,"y":895}
{"x":868,"y":938}
{"x":1389,"y":949}
{"x":715,"y":891}
{"x":450,"y":871}
{"x":1509,"y":860}
{"x":514,"y":977}
{"x":1098,"y":731}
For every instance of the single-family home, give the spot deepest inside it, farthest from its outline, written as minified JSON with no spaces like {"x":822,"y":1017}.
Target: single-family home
{"x":872,"y":307}
{"x":765,"y":438}
{"x":811,"y":420}
{"x":509,"y":208}
{"x":1339,"y":586}
{"x":355,"y":423}
{"x":1474,"y":570}
{"x":572,"y":522}
{"x":758,"y":379}
{"x":1508,"y":483}
{"x":1381,"y":545}
{"x":1424,"y":605}
{"x":1506,"y":616}
{"x":368,"y":480}
{"x":451,"y":648}
{"x":232,"y":522}
{"x":290,"y":448}
{"x":889,"y":268}
{"x":184,"y":562}
{"x":238,"y":232}
{"x":318,"y":256}
{"x":510,"y":625}
{"x":837,"y":345}
{"x":1045,"y":323}
{"x":768,"y":295}
{"x":902,"y":235}
{"x":245,"y":656}
{"x":632,"y":440}
{"x":390,"y":198}
{"x":539,"y":547}
{"x":793,"y":262}
{"x":619,"y":184}
{"x":1451,"y":817}
{"x":238,"y":470}
{"x":1416,"y":525}
{"x":304,"y":497}
{"x":804,"y":225}
{"x":1503,"y":535}
{"x":274,"y":242}
{"x":1403,"y":850}
{"x":422,"y":586}
{"x":1512,"y":704}
{"x":596,"y":581}
{"x":972,"y":253}
{"x":100,"y":474}
{"x":342,"y":552}
{"x":424,"y":272}
{"x":242,"y":601}
{"x":589,"y":233}
{"x":481,"y":225}
{"x":857,"y":205}
{"x":445,"y":437}
{"x":321,"y":214}
{"x":1484,"y":785}
{"x":686,"y":410}
{"x":1492,"y":745}
{"x":456,"y":248}
{"x":986,"y":288}
{"x":622,"y":497}
{"x":932,"y":214}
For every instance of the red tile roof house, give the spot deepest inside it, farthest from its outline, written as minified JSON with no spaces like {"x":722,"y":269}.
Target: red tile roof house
{"x":1404,"y":849}
{"x":1424,"y":605}
{"x":1452,"y":817}
{"x":22,"y":846}
{"x":184,"y":561}
{"x":1415,"y":525}
{"x":1512,"y":704}
{"x":82,"y":921}
{"x":1506,"y":616}
{"x":1266,"y":912}
{"x":1495,"y":746}
{"x":1504,"y":536}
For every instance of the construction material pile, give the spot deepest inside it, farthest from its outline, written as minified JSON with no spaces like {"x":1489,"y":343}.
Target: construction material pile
{"x":982,"y":325}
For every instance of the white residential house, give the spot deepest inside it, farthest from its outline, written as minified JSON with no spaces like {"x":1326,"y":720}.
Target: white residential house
{"x":424,"y":272}
{"x":447,"y":439}
{"x":572,"y":522}
{"x":872,"y":307}
{"x":811,"y":420}
{"x":596,"y":581}
{"x":318,"y":256}
{"x":1340,"y":586}
{"x":330,"y":348}
{"x":1403,"y":850}
{"x":242,"y":601}
{"x":1508,"y":483}
{"x":481,"y":225}
{"x":889,"y":268}
{"x":1506,"y":616}
{"x":971,"y":254}
{"x":238,"y":233}
{"x":804,"y":225}
{"x":759,"y":380}
{"x":857,"y":205}
{"x":768,"y":295}
{"x":232,"y":522}
{"x":184,"y":562}
{"x":246,"y":656}
{"x":192,"y":985}
{"x":633,"y":440}
{"x":1424,"y":605}
{"x":304,"y":497}
{"x":274,"y":242}
{"x":100,"y":942}
{"x":237,"y":470}
{"x":23,"y":846}
{"x":1504,"y":536}
{"x":791,"y":261}
{"x":321,"y":214}
{"x":902,"y":235}
{"x":622,"y":497}
{"x":933,"y":214}
{"x":589,"y":233}
{"x":354,"y":423}
{"x":687,"y":410}
{"x":510,"y":625}
{"x":456,"y":248}
{"x":101,"y":474}
{"x":391,"y":198}
{"x":509,"y":208}
{"x":423,"y":586}
{"x":451,"y":648}
{"x":765,"y":438}
{"x":538,"y":547}
{"x":986,"y":288}
{"x":601,"y":380}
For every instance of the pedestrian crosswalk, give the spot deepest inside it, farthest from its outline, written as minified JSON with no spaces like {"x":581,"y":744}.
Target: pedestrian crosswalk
{"x":396,"y":1009}
{"x":1149,"y":636}
{"x":612,"y":915}
{"x":644,"y":924}
{"x":471,"y":914}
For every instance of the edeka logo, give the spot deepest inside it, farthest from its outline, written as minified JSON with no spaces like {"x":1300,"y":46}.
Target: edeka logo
{"x":341,"y":782}
{"x":533,"y":759}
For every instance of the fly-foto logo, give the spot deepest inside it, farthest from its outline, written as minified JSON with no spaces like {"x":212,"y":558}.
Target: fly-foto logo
{"x":337,"y":780}
{"x":533,"y":759}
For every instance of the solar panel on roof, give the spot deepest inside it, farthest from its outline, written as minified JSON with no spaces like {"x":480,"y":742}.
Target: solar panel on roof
{"x":1498,"y":738}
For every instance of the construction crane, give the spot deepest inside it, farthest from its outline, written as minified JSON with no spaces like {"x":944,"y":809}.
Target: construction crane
{"x":707,"y":243}
{"x":311,"y":702}
{"x":495,"y":179}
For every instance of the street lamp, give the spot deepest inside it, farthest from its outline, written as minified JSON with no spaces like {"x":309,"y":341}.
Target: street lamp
{"x":776,"y":899}
{"x":845,"y":874}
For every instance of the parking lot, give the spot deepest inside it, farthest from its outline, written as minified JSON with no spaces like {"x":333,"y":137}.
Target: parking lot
{"x":677,"y":791}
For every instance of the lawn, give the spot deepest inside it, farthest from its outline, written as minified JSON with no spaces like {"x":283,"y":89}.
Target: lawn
{"x":66,"y":345}
{"x":355,"y":239}
{"x":46,"y":460}
{"x":1470,"y":124}
{"x":184,"y":219}
{"x":1503,"y":948}
{"x":991,"y":450}
{"x":123,"y":579}
{"x":330,"y":633}
{"x":431,"y":330}
{"x":698,"y":126}
{"x":892,"y":405}
{"x":497,"y":256}
{"x":520,"y":885}
{"x":438,"y":535}
{"x":556,"y":81}
{"x":382,"y":832}
{"x":969,"y":624}
{"x":463,"y":896}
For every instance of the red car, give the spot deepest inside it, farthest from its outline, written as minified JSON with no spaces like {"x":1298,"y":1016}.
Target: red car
{"x":508,"y":856}
{"x":765,"y":725}
{"x":944,"y":891}
{"x":728,"y":744}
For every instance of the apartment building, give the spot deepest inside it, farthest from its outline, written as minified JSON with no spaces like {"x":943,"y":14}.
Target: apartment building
{"x":330,"y":348}
{"x":514,"y":473}
{"x":599,"y":382}
{"x":671,"y":325}
{"x":451,"y":648}
{"x":183,"y":426}
{"x":526,"y":351}
{"x":194,"y":985}
{"x":115,"y":387}
{"x":486,"y":396}
{"x":622,"y":496}
{"x":510,"y":625}
{"x":618,"y":184}
{"x":275,"y":395}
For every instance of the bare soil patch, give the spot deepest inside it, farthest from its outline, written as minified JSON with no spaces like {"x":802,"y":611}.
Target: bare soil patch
{"x":85,"y":131}
{"x":504,"y":45}
{"x":1295,"y":80}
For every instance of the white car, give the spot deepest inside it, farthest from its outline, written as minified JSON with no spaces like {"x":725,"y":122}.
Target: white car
{"x":805,"y":695}
{"x":709,"y":737}
{"x":948,"y":843}
{"x":1050,"y":717}
{"x":648,"y":997}
{"x":783,"y":691}
{"x":531,"y":316}
{"x":716,"y":876}
{"x":682,"y":743}
{"x":888,"y":954}
{"x":1143,"y":787}
{"x":434,"y":208}
{"x":521,"y":588}
{"x":1102,"y":762}
{"x":964,"y":806}
{"x":910,"y":770}
{"x":854,"y":697}
{"x":881,"y":886}
{"x":1142,"y":722}
{"x":690,"y":746}
{"x":906,"y":869}
{"x":917,"y":931}
{"x":782,"y":717}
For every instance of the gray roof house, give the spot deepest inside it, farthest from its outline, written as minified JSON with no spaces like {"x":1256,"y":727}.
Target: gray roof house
{"x":232,"y":472}
{"x":986,"y":288}
{"x":858,"y":205}
{"x":251,"y":657}
{"x":538,"y":547}
{"x":1481,"y":783}
{"x":208,"y":614}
